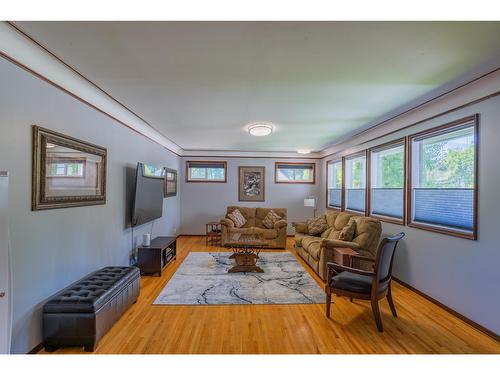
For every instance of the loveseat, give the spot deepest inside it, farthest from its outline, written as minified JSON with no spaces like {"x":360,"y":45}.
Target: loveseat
{"x":275,"y":236}
{"x":318,"y":249}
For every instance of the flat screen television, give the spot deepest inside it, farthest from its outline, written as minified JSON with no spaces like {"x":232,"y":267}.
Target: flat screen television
{"x":148,"y":197}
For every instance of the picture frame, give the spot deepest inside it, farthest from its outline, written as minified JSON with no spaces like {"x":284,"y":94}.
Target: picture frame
{"x":251,"y":184}
{"x":170,"y":183}
{"x":66,"y":171}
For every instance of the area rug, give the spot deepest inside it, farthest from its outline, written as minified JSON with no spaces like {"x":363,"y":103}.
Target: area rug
{"x":202,"y":279}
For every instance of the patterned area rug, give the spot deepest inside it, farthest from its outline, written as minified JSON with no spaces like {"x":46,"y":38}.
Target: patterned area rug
{"x":202,"y":279}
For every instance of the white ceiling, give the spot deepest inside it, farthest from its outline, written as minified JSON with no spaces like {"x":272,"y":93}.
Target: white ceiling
{"x":199,"y":83}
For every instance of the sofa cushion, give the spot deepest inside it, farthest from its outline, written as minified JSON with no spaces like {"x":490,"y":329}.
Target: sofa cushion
{"x":267,"y":234}
{"x":312,"y":245}
{"x":317,"y":225}
{"x":270,"y":219}
{"x":330,"y":217}
{"x":347,"y":233}
{"x":314,"y":250}
{"x":237,"y":218}
{"x":247,"y":212}
{"x":242,"y":231}
{"x":301,"y":227}
{"x":367,"y":233}
{"x":326,"y":233}
{"x":298,"y":239}
{"x":334,"y":234}
{"x":261,"y":213}
{"x":341,"y":220}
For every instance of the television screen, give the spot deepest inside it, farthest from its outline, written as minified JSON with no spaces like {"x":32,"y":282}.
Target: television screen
{"x":148,"y":198}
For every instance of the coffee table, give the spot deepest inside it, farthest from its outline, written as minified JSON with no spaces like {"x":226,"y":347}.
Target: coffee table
{"x":246,"y":249}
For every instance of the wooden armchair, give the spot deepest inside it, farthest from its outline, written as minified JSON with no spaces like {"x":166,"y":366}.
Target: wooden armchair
{"x":368,"y":285}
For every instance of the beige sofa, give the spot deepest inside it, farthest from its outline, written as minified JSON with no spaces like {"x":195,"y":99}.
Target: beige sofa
{"x":276,"y":237}
{"x":318,"y":250}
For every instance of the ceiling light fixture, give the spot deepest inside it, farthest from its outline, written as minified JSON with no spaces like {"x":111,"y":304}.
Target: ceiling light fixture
{"x":303,"y":152}
{"x":260,"y":129}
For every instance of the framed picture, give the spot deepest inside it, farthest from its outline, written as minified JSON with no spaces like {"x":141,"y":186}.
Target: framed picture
{"x":170,"y":185}
{"x":252,"y":184}
{"x":66,"y":171}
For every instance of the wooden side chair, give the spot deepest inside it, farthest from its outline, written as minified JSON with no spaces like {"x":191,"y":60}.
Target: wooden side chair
{"x":368,"y":285}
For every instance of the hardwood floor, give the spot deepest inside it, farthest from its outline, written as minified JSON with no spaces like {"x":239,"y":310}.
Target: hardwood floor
{"x":421,"y":326}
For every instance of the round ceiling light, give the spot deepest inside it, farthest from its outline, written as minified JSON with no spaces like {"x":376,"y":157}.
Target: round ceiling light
{"x":303,"y":152}
{"x":260,"y":129}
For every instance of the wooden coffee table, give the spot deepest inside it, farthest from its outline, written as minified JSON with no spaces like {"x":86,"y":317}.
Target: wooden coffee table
{"x":246,"y":249}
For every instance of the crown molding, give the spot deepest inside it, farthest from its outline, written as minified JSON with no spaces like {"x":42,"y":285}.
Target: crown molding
{"x":22,"y":50}
{"x":250,"y":154}
{"x":473,"y":91}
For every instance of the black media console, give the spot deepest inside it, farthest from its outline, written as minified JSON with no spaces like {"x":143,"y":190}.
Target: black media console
{"x":155,"y":257}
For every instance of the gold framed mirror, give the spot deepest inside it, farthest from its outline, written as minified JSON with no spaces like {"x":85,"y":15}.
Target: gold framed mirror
{"x":66,"y":172}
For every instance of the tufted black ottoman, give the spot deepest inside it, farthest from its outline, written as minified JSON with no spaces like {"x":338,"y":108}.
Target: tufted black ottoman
{"x":82,"y":313}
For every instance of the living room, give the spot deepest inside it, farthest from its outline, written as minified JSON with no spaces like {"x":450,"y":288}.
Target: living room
{"x":241,"y":187}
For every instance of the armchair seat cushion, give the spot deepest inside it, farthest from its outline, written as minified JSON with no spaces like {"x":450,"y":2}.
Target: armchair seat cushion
{"x":352,"y":282}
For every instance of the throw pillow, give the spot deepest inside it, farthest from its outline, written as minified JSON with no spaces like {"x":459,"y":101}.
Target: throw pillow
{"x":270,"y":219}
{"x":317,"y":225}
{"x":347,"y":233}
{"x":237,"y":218}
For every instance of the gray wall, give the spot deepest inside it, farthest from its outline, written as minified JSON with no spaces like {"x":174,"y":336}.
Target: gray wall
{"x":53,"y":248}
{"x":204,"y":202}
{"x":462,"y":274}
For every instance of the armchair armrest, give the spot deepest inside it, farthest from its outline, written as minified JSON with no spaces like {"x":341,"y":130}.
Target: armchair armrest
{"x":227,"y":222}
{"x":337,"y":268}
{"x":280,"y":224}
{"x":330,"y":244}
{"x":301,"y":227}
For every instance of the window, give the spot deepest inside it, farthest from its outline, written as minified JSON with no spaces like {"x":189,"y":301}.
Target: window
{"x":206,"y":171}
{"x":443,"y":191}
{"x":294,"y":173}
{"x":61,"y":167}
{"x":334,"y":184}
{"x":387,"y":181}
{"x":355,"y":182}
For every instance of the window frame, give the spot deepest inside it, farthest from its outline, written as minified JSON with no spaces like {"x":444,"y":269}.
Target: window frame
{"x":334,"y":161}
{"x":367,"y":176}
{"x":206,"y":181}
{"x":279,"y":163}
{"x":474,"y":123}
{"x":395,"y":143}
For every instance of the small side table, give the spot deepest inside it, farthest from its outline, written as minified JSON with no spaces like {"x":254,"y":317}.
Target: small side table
{"x":155,"y":257}
{"x":213,"y":233}
{"x":343,"y":256}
